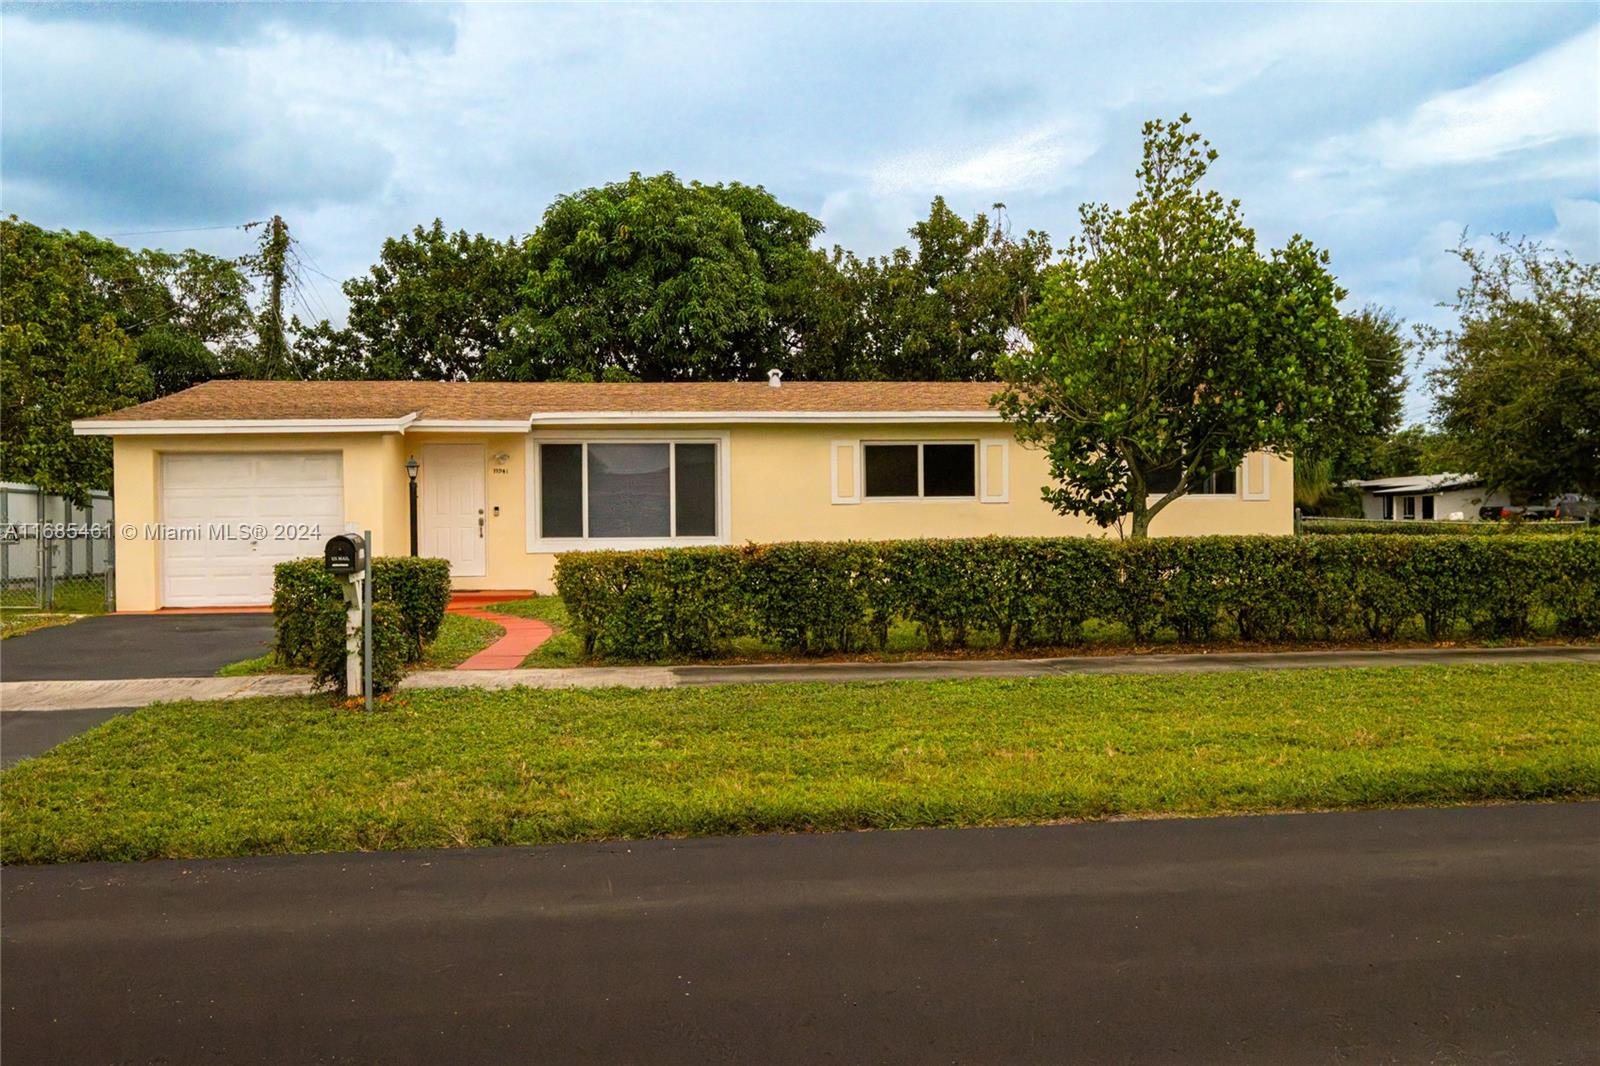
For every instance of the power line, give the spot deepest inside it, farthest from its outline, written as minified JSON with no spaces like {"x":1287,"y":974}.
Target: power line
{"x":185,"y":229}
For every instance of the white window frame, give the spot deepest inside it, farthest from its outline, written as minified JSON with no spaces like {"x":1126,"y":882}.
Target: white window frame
{"x":541,"y":544}
{"x":920,"y":497}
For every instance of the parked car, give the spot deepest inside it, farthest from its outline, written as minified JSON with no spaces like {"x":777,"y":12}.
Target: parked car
{"x":1521,"y":514}
{"x":1571,"y":507}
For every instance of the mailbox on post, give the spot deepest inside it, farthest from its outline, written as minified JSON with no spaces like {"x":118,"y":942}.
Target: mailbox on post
{"x":345,"y":554}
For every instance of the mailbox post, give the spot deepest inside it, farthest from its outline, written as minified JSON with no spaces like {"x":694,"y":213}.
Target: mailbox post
{"x":345,"y":556}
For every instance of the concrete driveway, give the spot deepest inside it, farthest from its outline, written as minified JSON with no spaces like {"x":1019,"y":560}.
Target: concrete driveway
{"x":1443,"y":936}
{"x":117,"y":646}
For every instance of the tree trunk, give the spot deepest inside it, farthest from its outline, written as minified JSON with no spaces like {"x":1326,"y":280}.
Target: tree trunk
{"x":1139,"y":512}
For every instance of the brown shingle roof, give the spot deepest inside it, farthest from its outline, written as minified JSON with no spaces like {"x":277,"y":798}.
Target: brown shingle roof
{"x":520,"y":401}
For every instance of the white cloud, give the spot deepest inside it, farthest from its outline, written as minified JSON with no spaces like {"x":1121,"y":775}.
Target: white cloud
{"x":1036,"y":160}
{"x":1550,"y":98}
{"x":1578,"y":229}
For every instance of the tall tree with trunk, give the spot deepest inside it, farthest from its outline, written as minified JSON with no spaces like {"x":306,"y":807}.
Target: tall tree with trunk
{"x":1165,"y":346}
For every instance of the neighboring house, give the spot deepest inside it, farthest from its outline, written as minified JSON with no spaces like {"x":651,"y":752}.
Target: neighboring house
{"x":1425,"y":497}
{"x":510,"y":474}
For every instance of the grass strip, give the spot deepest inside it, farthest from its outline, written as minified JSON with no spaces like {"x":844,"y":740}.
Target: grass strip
{"x":458,"y":768}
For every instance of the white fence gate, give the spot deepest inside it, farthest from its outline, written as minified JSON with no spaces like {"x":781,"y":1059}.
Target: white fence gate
{"x":54,"y":555}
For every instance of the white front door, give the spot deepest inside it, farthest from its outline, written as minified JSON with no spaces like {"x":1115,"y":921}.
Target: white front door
{"x":230,"y":517}
{"x":451,"y":523}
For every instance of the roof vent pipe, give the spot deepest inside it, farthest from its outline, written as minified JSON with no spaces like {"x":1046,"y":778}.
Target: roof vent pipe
{"x":775,"y":378}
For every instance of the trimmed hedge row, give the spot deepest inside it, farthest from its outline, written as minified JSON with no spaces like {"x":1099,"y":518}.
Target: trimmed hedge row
{"x":1443,"y":527}
{"x":817,"y":598}
{"x":308,"y":616}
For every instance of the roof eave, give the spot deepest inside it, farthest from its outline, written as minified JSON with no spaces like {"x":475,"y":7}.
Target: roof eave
{"x":165,"y":427}
{"x":413,"y":422}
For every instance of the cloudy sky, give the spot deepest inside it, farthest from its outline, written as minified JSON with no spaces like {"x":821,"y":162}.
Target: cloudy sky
{"x":1379,"y":132}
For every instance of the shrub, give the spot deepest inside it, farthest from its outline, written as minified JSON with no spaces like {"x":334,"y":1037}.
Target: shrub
{"x":820,"y":598}
{"x":417,"y":589}
{"x":389,"y":644}
{"x":300,"y":590}
{"x":1436,"y":527}
{"x":420,"y":588}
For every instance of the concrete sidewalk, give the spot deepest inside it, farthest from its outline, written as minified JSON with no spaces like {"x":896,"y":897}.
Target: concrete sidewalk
{"x":76,"y":695}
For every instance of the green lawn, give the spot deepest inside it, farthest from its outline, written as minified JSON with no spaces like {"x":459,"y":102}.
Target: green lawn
{"x":457,"y":768}
{"x":562,"y":649}
{"x":460,"y":638}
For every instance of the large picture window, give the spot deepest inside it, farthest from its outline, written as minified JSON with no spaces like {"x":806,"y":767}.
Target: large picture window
{"x":909,"y":471}
{"x":628,"y":490}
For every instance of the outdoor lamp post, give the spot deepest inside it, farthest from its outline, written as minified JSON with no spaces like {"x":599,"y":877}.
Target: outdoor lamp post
{"x":411,"y":472}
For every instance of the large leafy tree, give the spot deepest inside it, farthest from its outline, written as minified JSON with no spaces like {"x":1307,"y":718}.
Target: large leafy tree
{"x":660,"y":280}
{"x":1412,"y":450}
{"x":1518,"y":391}
{"x":91,"y":326}
{"x":199,"y":301}
{"x":63,"y":355}
{"x":943,"y":310}
{"x":431,"y":308}
{"x":1165,"y":346}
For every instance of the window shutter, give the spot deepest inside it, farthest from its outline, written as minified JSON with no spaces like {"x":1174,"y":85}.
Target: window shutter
{"x":994,"y":468}
{"x":1256,"y":484}
{"x":843,"y":458}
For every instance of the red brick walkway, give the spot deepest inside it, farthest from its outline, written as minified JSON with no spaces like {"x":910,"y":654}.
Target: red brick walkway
{"x":522,"y":636}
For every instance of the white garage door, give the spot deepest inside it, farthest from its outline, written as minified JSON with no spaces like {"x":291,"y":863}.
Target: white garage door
{"x":230,"y":501}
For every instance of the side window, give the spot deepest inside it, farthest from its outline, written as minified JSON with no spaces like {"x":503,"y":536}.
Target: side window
{"x":911,"y":471}
{"x":1222,"y":483}
{"x":949,"y":470}
{"x":891,"y":469}
{"x":1161,"y":482}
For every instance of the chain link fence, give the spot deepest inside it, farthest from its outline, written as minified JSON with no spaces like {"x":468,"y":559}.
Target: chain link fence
{"x":55,"y":556}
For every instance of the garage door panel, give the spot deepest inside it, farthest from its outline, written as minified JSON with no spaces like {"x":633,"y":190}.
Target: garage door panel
{"x":223,"y":495}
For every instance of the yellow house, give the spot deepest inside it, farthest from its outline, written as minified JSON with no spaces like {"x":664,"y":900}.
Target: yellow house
{"x":217,"y":483}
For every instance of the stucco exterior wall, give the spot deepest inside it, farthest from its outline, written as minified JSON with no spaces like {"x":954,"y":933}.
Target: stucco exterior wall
{"x":374,"y":495}
{"x":780,"y":479}
{"x":782,"y":490}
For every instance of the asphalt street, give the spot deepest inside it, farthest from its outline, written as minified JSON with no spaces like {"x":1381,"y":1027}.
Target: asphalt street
{"x":1451,"y":936}
{"x":24,"y":734}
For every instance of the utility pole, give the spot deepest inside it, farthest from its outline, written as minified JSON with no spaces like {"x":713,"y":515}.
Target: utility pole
{"x":272,"y":263}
